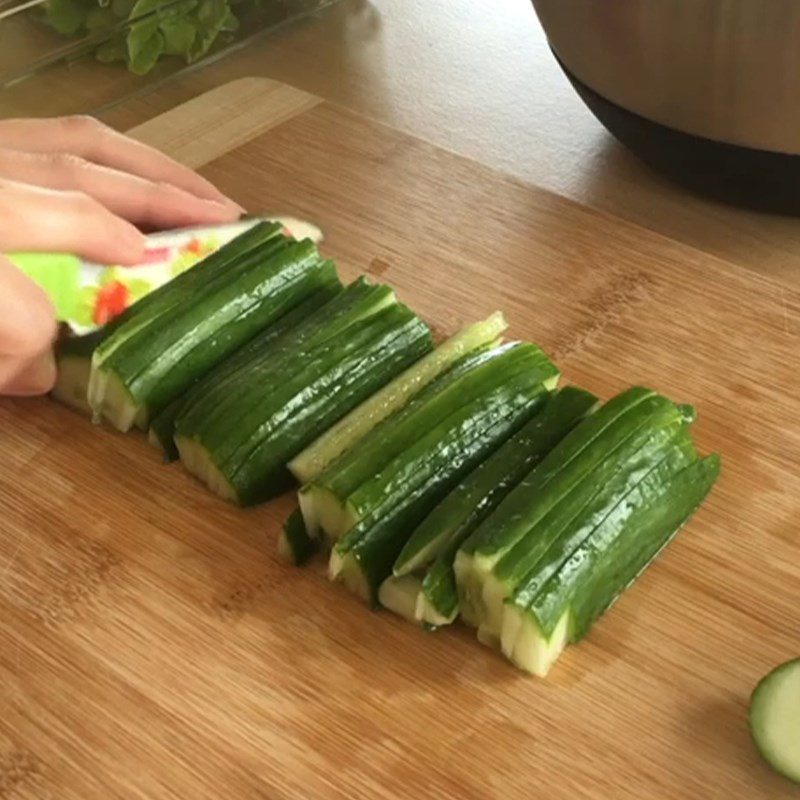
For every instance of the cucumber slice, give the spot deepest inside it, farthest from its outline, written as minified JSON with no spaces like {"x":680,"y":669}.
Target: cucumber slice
{"x":400,"y":595}
{"x":141,"y":368}
{"x":240,"y":435}
{"x":460,"y":513}
{"x":294,"y":544}
{"x":74,"y":363}
{"x":162,"y":427}
{"x":353,"y":485}
{"x":308,"y":464}
{"x":774,"y":719}
{"x":389,"y":506}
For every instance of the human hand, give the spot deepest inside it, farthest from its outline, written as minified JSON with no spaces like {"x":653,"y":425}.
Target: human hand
{"x":74,"y":185}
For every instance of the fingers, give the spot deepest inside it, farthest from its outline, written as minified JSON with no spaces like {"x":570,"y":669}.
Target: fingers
{"x":141,"y":201}
{"x":27,"y":332}
{"x":35,"y":377}
{"x":38,"y":219}
{"x":90,"y":139}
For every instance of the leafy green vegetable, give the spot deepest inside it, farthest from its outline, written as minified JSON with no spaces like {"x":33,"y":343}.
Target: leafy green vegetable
{"x":67,"y":16}
{"x":186,"y":28}
{"x":179,"y":36}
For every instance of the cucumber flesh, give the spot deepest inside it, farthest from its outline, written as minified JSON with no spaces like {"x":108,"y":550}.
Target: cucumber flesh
{"x":400,"y":596}
{"x":74,"y":364}
{"x":774,"y":719}
{"x":294,"y":544}
{"x":309,"y":463}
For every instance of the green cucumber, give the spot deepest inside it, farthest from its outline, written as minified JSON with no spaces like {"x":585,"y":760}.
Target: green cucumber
{"x":341,"y":437}
{"x":137,"y":373}
{"x":74,"y":362}
{"x":540,"y":620}
{"x":386,"y":508}
{"x":399,"y":595}
{"x":243,"y":386}
{"x":162,"y":427}
{"x":163,"y":301}
{"x":347,"y":489}
{"x":286,"y":402}
{"x":774,"y":719}
{"x":547,"y":487}
{"x":482,"y":490}
{"x":294,"y":544}
{"x":575,"y":515}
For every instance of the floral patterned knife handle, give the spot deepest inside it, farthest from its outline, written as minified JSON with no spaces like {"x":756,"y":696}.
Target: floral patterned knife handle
{"x":87,"y":295}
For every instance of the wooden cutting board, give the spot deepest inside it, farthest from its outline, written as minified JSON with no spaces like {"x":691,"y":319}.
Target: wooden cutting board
{"x":152,"y":645}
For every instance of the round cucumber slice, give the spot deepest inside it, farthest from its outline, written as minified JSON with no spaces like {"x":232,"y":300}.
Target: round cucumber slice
{"x":775,"y":719}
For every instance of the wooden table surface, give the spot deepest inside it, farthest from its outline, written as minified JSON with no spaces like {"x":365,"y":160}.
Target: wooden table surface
{"x":152,"y":644}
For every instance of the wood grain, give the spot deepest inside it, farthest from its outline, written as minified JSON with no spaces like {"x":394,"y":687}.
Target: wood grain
{"x":213,"y":123}
{"x":152,"y":645}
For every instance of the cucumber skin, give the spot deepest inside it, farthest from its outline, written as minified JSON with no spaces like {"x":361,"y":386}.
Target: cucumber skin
{"x":301,"y":545}
{"x":579,"y":511}
{"x":242,"y":389}
{"x":156,"y":366}
{"x":563,"y":410}
{"x":335,"y":393}
{"x":377,"y":539}
{"x":163,"y":425}
{"x":561,"y":579}
{"x":510,"y":522}
{"x":180,"y":288}
{"x":460,"y":513}
{"x":466,"y":380}
{"x":308,"y":464}
{"x":754,"y":723}
{"x":601,"y":594}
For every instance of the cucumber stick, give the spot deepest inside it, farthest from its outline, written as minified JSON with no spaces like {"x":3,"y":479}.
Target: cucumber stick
{"x":351,"y":485}
{"x":294,"y":543}
{"x":557,"y":506}
{"x":581,"y":526}
{"x":161,"y":303}
{"x":140,"y":368}
{"x":775,"y":719}
{"x":432,"y":547}
{"x":74,"y":363}
{"x":239,"y":436}
{"x":162,"y":427}
{"x":497,"y":396}
{"x":308,"y":464}
{"x":481,"y":491}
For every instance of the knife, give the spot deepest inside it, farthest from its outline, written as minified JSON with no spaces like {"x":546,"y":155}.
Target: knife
{"x":86,"y":295}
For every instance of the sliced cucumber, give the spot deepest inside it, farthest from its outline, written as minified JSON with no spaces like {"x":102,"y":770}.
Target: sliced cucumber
{"x":308,"y":464}
{"x":353,"y":485}
{"x":240,"y":435}
{"x":294,"y":544}
{"x":140,"y":368}
{"x":162,"y":427}
{"x":481,"y":491}
{"x":775,"y":719}
{"x":74,"y":363}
